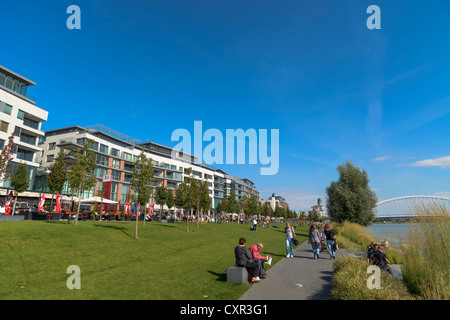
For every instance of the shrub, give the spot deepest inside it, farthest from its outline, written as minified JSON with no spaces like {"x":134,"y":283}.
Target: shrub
{"x":350,"y":283}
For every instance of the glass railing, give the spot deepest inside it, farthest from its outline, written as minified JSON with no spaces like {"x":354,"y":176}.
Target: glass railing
{"x":31,"y":123}
{"x":29,"y":140}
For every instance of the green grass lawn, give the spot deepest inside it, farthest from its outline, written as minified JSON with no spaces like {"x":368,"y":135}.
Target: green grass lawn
{"x":164,"y":263}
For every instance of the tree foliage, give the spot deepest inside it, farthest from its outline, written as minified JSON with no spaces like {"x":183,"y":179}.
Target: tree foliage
{"x":161,"y":197}
{"x":350,"y":198}
{"x":6,"y":155}
{"x":81,"y":176}
{"x":20,"y":181}
{"x":141,"y":183}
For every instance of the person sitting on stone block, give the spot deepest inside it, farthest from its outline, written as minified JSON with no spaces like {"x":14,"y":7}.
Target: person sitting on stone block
{"x":244,"y":259}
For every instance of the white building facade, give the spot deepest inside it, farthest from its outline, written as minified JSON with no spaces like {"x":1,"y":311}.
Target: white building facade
{"x":20,"y":115}
{"x":115,"y":154}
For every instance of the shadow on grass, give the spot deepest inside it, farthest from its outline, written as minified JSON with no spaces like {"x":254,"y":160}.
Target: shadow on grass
{"x":122,"y":229}
{"x":220,"y":276}
{"x":164,"y":225}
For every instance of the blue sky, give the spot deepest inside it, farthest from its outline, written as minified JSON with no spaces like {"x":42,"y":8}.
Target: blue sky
{"x":336,"y":90}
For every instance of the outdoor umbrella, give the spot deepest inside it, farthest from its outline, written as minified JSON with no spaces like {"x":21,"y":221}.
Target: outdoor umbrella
{"x":98,"y":199}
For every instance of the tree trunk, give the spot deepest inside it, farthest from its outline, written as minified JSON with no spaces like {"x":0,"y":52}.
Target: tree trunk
{"x":187,"y":222}
{"x":71,"y":207}
{"x":144,"y":215}
{"x":136,"y":227}
{"x":198,"y":218}
{"x":14,"y":206}
{"x":78,"y":210}
{"x":51,"y":204}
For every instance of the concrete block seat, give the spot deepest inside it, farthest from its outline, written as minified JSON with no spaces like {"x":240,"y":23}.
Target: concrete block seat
{"x":237,"y":274}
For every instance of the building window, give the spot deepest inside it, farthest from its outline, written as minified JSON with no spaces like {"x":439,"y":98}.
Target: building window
{"x":25,"y":155}
{"x":127,"y":156}
{"x":101,"y":159}
{"x":28,"y":139}
{"x":4,"y":126}
{"x":127,"y":167}
{"x":31,"y":123}
{"x":20,"y":114}
{"x":114,"y":191}
{"x":125,"y":192}
{"x":115,"y":175}
{"x":116,"y":164}
{"x":50,"y":158}
{"x":51,"y":146}
{"x":103,"y":148}
{"x":5,"y":108}
{"x":94,"y":146}
{"x":115,"y":152}
{"x":100,"y":172}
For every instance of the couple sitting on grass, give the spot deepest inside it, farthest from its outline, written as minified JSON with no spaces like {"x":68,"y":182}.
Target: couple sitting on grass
{"x":251,"y":259}
{"x":375,"y":255}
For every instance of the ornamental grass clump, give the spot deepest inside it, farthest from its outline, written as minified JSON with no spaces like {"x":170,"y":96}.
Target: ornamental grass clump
{"x":426,"y":253}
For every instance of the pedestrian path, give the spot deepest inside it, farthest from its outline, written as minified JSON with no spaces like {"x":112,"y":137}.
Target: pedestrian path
{"x":298,"y":278}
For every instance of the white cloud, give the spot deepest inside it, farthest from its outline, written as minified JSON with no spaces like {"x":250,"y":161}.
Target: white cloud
{"x":379,"y":159}
{"x":438,"y":162}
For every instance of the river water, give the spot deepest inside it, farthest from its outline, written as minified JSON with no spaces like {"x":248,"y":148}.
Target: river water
{"x":393,"y":232}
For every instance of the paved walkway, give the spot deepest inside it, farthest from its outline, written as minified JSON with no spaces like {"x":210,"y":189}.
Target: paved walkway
{"x":298,"y":278}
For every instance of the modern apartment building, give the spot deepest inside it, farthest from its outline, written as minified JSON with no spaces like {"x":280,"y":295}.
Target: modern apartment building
{"x":20,"y":115}
{"x":115,"y":154}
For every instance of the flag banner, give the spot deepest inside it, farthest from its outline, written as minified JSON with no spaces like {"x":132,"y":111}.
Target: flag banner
{"x":58,"y":203}
{"x":8,"y":204}
{"x":41,"y":203}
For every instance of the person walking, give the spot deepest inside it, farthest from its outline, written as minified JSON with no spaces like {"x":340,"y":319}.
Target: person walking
{"x":289,"y":234}
{"x":314,"y":240}
{"x":330,"y":240}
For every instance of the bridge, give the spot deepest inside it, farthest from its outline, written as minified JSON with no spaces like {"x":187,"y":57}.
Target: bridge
{"x":402,"y":208}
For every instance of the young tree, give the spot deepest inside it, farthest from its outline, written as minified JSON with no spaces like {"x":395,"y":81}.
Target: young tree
{"x":184,"y":197}
{"x":5,"y":157}
{"x":232,"y":205}
{"x":206,"y":199}
{"x":141,"y":183}
{"x":200,"y":192}
{"x":57,"y":176}
{"x":181,"y":199}
{"x":170,"y":199}
{"x":19,"y":181}
{"x":250,"y":206}
{"x":161,"y":198}
{"x":350,"y":198}
{"x":81,"y":177}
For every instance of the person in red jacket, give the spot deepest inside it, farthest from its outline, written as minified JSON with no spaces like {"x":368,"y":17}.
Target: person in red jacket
{"x":254,"y":250}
